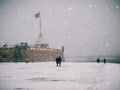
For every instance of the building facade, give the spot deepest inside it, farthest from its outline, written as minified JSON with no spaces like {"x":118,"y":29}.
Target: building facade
{"x":23,"y":53}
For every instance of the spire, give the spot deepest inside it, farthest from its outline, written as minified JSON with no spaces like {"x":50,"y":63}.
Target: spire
{"x":39,"y":43}
{"x":40,"y":37}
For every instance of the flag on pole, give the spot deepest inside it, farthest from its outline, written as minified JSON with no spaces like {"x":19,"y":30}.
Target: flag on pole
{"x":37,"y":15}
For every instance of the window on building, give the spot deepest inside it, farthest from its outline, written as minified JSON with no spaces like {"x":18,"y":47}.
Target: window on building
{"x":4,"y":55}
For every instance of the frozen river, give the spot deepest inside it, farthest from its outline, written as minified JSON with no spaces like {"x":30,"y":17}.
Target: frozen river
{"x":70,"y":76}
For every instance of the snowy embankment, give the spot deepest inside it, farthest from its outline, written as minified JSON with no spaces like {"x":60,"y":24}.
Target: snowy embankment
{"x":70,"y":76}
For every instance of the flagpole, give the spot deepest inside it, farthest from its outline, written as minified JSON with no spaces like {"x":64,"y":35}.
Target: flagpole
{"x":40,"y":35}
{"x":39,"y":41}
{"x":40,"y":23}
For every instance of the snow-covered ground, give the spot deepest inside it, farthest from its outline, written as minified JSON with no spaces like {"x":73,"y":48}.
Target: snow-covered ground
{"x":70,"y":76}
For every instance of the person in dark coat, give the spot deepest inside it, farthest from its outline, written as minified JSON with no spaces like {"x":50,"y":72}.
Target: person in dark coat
{"x":98,"y":60}
{"x":57,"y":61}
{"x":104,"y":60}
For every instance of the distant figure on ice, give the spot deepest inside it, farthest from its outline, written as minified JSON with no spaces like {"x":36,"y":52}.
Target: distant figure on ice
{"x":98,"y":60}
{"x":58,"y":61}
{"x":104,"y":60}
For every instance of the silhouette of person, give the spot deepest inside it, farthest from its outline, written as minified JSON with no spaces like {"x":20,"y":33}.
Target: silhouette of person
{"x":57,"y":61}
{"x":98,"y":60}
{"x":104,"y":60}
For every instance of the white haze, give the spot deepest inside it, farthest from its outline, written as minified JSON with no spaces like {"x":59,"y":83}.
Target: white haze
{"x":83,"y":27}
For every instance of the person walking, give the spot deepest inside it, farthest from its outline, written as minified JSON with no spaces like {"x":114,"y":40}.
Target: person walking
{"x":98,"y":60}
{"x":104,"y":60}
{"x":59,"y":60}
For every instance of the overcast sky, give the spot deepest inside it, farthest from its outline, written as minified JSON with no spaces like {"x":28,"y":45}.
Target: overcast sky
{"x":83,"y":27}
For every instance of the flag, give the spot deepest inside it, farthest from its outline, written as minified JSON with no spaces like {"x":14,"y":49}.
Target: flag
{"x":37,"y":15}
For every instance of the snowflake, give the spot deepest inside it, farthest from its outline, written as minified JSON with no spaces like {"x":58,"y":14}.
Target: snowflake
{"x":70,"y":8}
{"x":117,"y":7}
{"x":90,"y":5}
{"x":107,"y":44}
{"x":88,"y":18}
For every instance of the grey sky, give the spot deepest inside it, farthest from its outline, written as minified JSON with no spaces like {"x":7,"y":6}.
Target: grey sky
{"x":84,"y":27}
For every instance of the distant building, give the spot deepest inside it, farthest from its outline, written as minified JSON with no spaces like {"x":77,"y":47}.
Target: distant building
{"x":23,"y":53}
{"x":43,"y":54}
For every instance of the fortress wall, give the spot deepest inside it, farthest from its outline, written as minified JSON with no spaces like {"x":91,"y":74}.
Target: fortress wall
{"x":31,"y":54}
{"x":43,"y":54}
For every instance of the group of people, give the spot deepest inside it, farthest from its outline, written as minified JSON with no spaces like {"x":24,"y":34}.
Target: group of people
{"x":104,"y":60}
{"x":58,"y":61}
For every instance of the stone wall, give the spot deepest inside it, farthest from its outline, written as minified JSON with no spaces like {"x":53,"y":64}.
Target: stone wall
{"x":30,"y":55}
{"x":43,"y":54}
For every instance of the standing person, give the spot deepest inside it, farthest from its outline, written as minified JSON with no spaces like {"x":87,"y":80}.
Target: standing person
{"x":104,"y":60}
{"x":98,"y":60}
{"x":59,"y":60}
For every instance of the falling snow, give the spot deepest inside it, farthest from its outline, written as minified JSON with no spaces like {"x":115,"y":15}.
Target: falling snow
{"x":70,"y":8}
{"x":117,"y":7}
{"x":107,"y":44}
{"x":90,"y":5}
